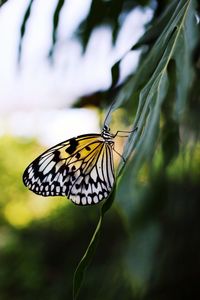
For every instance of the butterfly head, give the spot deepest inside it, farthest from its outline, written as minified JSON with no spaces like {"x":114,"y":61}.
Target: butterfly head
{"x":106,"y":133}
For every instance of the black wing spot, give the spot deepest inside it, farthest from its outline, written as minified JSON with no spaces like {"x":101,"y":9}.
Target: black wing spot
{"x":73,"y":145}
{"x":87,"y":148}
{"x":56,"y":155}
{"x":77,"y":155}
{"x":91,"y":181}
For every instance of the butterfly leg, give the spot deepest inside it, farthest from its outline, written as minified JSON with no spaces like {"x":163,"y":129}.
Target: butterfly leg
{"x":117,"y":133}
{"x":124,"y":160}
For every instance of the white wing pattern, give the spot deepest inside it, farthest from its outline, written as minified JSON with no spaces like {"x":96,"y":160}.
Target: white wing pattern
{"x":80,"y":168}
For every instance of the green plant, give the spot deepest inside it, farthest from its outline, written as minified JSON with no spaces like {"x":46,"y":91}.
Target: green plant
{"x":157,"y":189}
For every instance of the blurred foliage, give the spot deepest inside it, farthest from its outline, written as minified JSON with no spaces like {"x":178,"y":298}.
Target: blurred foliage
{"x":101,"y":12}
{"x":149,"y":246}
{"x":106,"y":13}
{"x":3,"y":2}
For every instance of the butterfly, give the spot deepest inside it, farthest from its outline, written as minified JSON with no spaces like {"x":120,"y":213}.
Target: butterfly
{"x":81,"y":168}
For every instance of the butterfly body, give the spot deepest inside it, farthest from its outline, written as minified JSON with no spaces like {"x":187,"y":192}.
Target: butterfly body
{"x":80,"y":168}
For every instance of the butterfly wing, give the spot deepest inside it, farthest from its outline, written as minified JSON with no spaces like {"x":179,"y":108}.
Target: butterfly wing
{"x":95,"y":179}
{"x":80,"y":168}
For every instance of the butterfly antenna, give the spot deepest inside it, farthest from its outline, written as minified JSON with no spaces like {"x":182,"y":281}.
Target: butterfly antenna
{"x":108,"y":113}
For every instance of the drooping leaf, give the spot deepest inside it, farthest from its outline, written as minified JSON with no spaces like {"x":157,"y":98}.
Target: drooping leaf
{"x":105,"y":13}
{"x":170,"y":128}
{"x":115,"y":71}
{"x":56,"y":18}
{"x":151,"y":100}
{"x":174,"y":44}
{"x":23,"y":28}
{"x":89,"y":253}
{"x":164,"y":80}
{"x":155,"y":29}
{"x":3,"y":2}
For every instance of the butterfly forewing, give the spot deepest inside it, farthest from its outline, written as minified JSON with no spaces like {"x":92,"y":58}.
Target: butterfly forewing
{"x":80,"y":168}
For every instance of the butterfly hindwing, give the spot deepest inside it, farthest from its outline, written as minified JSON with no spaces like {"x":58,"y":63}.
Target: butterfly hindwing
{"x":96,"y":179}
{"x":80,"y":168}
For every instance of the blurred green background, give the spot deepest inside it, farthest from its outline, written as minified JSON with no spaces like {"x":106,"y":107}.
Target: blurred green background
{"x":149,"y":246}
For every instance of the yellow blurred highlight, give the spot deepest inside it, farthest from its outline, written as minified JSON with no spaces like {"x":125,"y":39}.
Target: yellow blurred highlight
{"x":20,"y":214}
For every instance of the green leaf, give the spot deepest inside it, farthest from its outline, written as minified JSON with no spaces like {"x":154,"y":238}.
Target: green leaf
{"x":87,"y":257}
{"x":23,"y":28}
{"x":163,"y":81}
{"x":56,"y":18}
{"x":115,"y":71}
{"x":174,"y":44}
{"x":104,"y":13}
{"x":170,"y":128}
{"x":156,"y":28}
{"x":2,"y":2}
